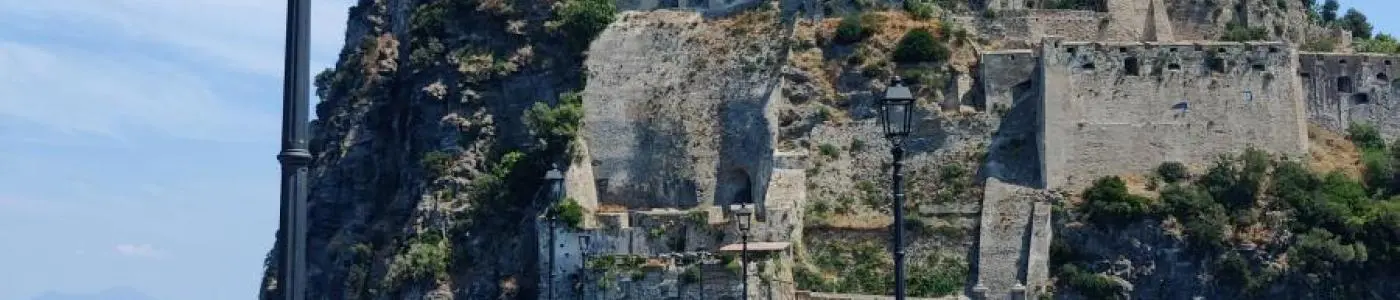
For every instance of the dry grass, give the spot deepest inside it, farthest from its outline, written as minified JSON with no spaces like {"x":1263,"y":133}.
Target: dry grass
{"x":1138,"y":185}
{"x":1330,"y":151}
{"x":857,"y":221}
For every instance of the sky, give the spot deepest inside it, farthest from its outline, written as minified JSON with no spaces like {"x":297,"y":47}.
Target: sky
{"x":137,"y":141}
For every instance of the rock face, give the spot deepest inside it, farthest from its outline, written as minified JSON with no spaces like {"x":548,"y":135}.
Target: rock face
{"x":670,"y":124}
{"x":425,"y":174}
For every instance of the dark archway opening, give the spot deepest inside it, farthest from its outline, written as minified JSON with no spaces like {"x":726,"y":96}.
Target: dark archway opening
{"x":1344,"y":84}
{"x":1131,"y":66}
{"x":735,"y":187}
{"x":1360,"y":99}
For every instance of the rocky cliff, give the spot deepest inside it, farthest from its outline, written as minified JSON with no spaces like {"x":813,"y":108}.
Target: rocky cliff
{"x":441,"y":116}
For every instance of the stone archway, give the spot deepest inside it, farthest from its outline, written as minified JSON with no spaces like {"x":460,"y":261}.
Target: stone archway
{"x":734,"y":186}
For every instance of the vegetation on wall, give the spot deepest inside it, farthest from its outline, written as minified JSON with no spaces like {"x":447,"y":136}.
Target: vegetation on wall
{"x":865,"y":268}
{"x":919,"y":45}
{"x":580,"y":21}
{"x":1347,"y":228}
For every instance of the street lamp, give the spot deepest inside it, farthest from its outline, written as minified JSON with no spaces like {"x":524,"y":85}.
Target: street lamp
{"x":897,"y":113}
{"x":555,"y":179}
{"x":583,"y":247}
{"x":742,"y":211}
{"x":291,"y":267}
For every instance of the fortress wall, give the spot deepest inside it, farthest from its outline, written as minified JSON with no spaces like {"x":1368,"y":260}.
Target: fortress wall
{"x":1006,"y":76}
{"x":1029,"y":25}
{"x":1104,"y":120}
{"x":1342,"y":89}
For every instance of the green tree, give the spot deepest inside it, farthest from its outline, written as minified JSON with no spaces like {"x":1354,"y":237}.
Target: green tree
{"x":919,"y":45}
{"x":1329,"y":11}
{"x":1356,"y":22}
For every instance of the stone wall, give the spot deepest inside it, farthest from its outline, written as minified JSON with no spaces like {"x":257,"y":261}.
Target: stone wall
{"x":689,"y":277}
{"x":1029,"y":25}
{"x":1112,"y":108}
{"x":1342,"y":89}
{"x":667,"y":93}
{"x":1006,"y":77}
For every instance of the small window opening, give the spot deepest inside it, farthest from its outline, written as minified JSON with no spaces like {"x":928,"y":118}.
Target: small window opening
{"x":1173,"y":66}
{"x":1273,"y":49}
{"x":1122,"y":49}
{"x":1172,"y":49}
{"x":1217,"y":65}
{"x":1360,"y":99}
{"x":1258,"y":67}
{"x":1088,"y":66}
{"x":1030,"y":4}
{"x":1200,"y":48}
{"x":1344,"y":84}
{"x":1071,"y":50}
{"x":1387,"y":62}
{"x":1130,"y":66}
{"x":1221,"y":50}
{"x":1342,"y":61}
{"x":1304,"y":74}
{"x":1382,"y":77}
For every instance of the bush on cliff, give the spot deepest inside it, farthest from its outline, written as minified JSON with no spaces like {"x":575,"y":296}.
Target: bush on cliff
{"x":1108,"y":202}
{"x":919,"y":45}
{"x":851,"y":30}
{"x":582,"y":20}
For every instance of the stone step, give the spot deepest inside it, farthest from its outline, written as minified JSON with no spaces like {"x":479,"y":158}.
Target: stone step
{"x":1002,"y":242}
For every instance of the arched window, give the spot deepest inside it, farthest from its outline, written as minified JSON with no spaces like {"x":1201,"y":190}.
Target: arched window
{"x":1344,"y":84}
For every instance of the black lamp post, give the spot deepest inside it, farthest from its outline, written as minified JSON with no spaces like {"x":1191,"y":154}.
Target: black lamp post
{"x":583,"y":247}
{"x":555,"y":179}
{"x":897,"y":113}
{"x":291,"y":269}
{"x":742,"y":211}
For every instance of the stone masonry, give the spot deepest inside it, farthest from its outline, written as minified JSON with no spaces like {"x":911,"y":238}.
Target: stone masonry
{"x":1114,"y":108}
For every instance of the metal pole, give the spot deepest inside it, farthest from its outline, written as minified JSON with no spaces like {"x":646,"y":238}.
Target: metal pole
{"x":898,"y":222}
{"x":294,"y":157}
{"x":551,"y":255}
{"x":744,"y":262}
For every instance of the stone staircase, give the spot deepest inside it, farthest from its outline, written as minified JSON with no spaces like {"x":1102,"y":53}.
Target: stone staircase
{"x":1013,"y":243}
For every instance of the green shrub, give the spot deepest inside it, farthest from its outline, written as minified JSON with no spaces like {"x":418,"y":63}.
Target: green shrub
{"x":690,"y":275}
{"x":1236,"y":32}
{"x":919,"y":45}
{"x":1173,"y":172}
{"x":920,"y":9}
{"x":570,"y":212}
{"x":936,"y":276}
{"x":1366,"y":136}
{"x":851,"y":30}
{"x":829,"y":150}
{"x":582,"y":20}
{"x":426,"y":258}
{"x":1091,"y":285}
{"x":1108,"y":202}
{"x":437,"y":162}
{"x":556,"y":125}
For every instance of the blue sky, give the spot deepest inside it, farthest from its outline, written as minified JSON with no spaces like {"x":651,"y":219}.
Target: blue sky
{"x":137,"y":141}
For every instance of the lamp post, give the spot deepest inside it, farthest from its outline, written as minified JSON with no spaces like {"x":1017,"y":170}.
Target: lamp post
{"x":742,"y":211}
{"x":555,"y":179}
{"x":583,"y":247}
{"x":294,"y":157}
{"x":897,"y":113}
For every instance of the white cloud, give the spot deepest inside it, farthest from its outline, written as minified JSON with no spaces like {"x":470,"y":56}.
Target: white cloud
{"x":139,"y":250}
{"x":80,"y":91}
{"x":245,"y":35}
{"x":111,"y":91}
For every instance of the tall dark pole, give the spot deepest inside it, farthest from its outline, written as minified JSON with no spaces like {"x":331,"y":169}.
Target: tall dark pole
{"x":294,"y":156}
{"x":898,"y":221}
{"x":897,"y":113}
{"x":555,"y":179}
{"x":744,"y":262}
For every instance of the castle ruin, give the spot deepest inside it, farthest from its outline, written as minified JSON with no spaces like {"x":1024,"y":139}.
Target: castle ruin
{"x":672,"y":137}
